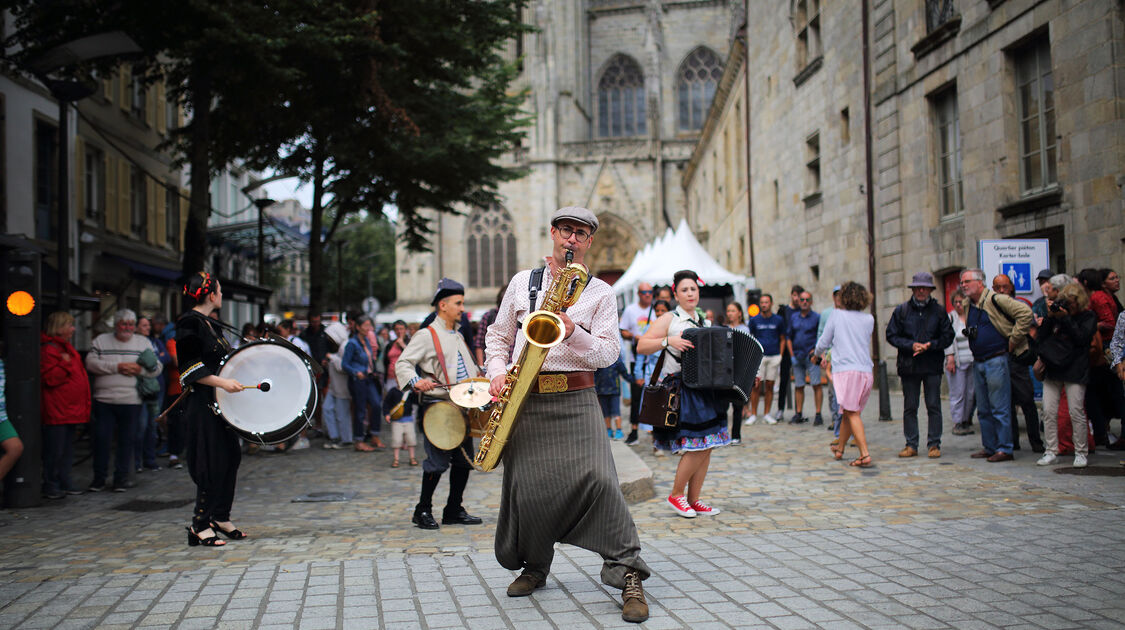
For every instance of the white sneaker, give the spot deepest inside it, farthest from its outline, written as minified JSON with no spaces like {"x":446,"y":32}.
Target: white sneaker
{"x":1047,"y":460}
{"x":681,"y":506}
{"x":659,"y":453}
{"x":751,"y":420}
{"x":302,"y":442}
{"x":770,"y":419}
{"x":1079,"y":460}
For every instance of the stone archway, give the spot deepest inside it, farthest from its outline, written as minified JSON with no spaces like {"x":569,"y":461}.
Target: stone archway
{"x":614,"y":248}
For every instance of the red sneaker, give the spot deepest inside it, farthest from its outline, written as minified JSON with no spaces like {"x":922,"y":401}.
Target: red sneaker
{"x":702,"y":508}
{"x":681,"y":506}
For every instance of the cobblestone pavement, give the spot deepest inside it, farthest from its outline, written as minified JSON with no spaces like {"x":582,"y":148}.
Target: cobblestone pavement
{"x":803,"y":541}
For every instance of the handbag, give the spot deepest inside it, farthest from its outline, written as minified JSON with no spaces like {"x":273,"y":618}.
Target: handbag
{"x":660,"y":402}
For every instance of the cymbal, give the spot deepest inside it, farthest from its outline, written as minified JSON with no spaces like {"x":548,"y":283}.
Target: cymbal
{"x":471,"y":392}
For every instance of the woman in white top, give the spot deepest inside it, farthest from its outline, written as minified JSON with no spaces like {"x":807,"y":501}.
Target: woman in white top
{"x":959,"y":368}
{"x":848,"y":334}
{"x":703,"y":420}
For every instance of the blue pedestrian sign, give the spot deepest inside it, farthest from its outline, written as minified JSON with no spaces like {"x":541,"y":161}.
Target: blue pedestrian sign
{"x":1020,"y":259}
{"x":1020,"y":274}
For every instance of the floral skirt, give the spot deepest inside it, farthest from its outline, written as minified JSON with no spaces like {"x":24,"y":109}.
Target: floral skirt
{"x":703,"y":422}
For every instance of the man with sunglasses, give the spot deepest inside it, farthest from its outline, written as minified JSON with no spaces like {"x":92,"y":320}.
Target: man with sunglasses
{"x":801,"y":341}
{"x":559,"y":483}
{"x":634,"y":322}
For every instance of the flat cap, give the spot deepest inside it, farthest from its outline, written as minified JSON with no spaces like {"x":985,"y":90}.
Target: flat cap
{"x":446,"y":288}
{"x":1046,"y":274}
{"x":576,"y":213}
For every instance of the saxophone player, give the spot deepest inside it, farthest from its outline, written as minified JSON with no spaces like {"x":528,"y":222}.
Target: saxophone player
{"x":560,"y":484}
{"x":438,"y":354}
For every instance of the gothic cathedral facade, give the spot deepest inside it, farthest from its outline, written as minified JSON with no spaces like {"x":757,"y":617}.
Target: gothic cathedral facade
{"x":618,"y":91}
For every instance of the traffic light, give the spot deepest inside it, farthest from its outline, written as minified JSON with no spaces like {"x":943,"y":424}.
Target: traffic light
{"x":21,"y":326}
{"x":753,"y":300}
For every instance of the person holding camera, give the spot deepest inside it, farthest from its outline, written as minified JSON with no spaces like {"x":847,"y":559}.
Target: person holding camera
{"x":997,"y":325}
{"x":1064,"y":363}
{"x":921,"y":331}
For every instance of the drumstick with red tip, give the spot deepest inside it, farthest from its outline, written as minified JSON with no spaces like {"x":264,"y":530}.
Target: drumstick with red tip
{"x":264,"y":386}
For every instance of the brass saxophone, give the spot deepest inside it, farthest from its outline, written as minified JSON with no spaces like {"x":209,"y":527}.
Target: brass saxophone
{"x":544,"y":330}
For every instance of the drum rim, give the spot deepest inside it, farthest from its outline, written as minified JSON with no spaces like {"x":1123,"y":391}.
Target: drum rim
{"x":291,"y":428}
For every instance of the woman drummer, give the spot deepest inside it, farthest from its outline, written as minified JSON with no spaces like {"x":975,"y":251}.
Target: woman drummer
{"x":213,"y":451}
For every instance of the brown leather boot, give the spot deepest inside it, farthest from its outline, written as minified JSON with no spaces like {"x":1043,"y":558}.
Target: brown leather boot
{"x":525,"y":585}
{"x":634,"y":607}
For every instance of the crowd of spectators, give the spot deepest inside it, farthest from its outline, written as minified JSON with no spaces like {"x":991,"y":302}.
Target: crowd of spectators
{"x":993,"y":348}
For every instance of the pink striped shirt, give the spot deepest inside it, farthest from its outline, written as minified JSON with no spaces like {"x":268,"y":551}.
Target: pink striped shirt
{"x":595,"y":342}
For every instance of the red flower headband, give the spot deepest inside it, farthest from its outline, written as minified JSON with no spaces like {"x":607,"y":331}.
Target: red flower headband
{"x":204,"y":287}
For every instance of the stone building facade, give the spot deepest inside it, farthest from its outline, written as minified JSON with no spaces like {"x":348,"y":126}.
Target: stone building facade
{"x":619,"y":90}
{"x":990,"y":119}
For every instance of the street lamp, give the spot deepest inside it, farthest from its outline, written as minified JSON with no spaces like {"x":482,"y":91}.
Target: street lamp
{"x":112,"y":44}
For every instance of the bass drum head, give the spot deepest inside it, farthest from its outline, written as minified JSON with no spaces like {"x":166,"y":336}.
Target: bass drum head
{"x":273,"y":416}
{"x":444,"y":425}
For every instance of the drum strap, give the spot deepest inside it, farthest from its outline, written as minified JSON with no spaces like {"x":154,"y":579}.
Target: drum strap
{"x":440,"y":353}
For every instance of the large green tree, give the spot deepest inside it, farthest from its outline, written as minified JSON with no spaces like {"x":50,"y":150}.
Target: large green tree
{"x":372,"y":102}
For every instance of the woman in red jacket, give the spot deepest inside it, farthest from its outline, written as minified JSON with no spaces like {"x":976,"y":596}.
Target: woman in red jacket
{"x":65,"y":404}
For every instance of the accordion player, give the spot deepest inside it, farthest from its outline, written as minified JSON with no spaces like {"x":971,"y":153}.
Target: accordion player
{"x":723,"y":359}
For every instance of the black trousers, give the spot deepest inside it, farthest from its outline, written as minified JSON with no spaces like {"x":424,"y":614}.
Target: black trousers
{"x":912,"y":386}
{"x":634,"y":398}
{"x":213,"y":454}
{"x":783,"y":384}
{"x":1023,"y":397}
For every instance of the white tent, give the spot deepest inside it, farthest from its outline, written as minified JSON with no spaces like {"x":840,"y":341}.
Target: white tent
{"x":659,"y":260}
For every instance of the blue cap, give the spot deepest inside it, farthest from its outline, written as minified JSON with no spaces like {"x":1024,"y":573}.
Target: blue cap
{"x":446,"y":288}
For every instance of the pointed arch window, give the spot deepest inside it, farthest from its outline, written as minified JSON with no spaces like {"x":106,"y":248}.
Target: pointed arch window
{"x":621,"y":99}
{"x":491,"y":247}
{"x":695,"y":87}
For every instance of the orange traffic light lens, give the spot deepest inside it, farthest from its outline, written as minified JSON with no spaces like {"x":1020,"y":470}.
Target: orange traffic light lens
{"x":754,"y":310}
{"x":20,"y":303}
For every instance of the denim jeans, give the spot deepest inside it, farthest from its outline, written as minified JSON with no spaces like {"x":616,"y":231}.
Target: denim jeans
{"x":144,"y":445}
{"x":337,"y":419}
{"x":911,"y":388}
{"x":365,"y":393}
{"x":994,"y":403}
{"x":834,"y":407}
{"x":109,"y":420}
{"x":58,"y":456}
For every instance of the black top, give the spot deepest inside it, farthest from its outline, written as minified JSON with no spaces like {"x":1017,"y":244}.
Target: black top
{"x":1064,"y":346}
{"x":200,"y":347}
{"x":925,"y":323}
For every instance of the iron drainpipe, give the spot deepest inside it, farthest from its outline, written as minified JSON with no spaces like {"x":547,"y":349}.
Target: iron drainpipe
{"x":749,"y":187}
{"x":869,"y":178}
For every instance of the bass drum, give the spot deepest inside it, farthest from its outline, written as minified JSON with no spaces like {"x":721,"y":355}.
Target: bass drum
{"x":478,"y":420}
{"x":267,"y":417}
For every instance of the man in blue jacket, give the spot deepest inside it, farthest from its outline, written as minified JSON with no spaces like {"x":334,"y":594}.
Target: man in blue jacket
{"x":921,"y":331}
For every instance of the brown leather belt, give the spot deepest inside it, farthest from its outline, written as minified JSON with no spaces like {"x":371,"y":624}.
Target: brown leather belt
{"x":558,"y":382}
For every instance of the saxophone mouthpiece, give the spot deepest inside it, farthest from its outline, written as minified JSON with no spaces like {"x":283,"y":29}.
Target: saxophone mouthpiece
{"x":569,"y":256}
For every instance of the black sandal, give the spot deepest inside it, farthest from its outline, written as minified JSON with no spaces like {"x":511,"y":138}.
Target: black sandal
{"x":234,"y":534}
{"x":193,"y":539}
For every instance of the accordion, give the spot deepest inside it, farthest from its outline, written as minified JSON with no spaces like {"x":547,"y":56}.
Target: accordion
{"x":723,"y":359}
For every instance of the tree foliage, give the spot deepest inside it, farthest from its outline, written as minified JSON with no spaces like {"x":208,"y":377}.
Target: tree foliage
{"x":373,"y":102}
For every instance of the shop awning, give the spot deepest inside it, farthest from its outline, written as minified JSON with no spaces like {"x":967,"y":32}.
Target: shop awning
{"x":244,"y":292}
{"x":146,"y":271}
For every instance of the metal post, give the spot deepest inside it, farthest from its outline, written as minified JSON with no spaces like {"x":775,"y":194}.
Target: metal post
{"x":62,"y":289}
{"x":884,"y":393}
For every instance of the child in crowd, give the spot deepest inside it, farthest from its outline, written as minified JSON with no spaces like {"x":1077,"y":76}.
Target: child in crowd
{"x":403,"y":436}
{"x":608,"y":387}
